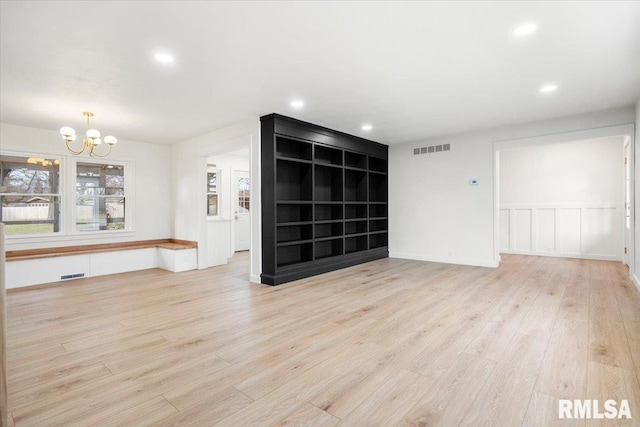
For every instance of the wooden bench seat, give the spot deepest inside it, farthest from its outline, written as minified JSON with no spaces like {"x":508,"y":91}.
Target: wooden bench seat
{"x":172,"y":244}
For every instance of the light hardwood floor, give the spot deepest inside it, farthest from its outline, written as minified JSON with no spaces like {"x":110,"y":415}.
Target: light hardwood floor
{"x":391,"y":342}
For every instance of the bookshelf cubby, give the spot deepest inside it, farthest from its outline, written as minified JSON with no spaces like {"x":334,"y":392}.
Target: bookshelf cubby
{"x":328,"y":155}
{"x":324,"y":200}
{"x":293,"y":180}
{"x":355,"y":244}
{"x":355,"y":186}
{"x":293,"y":149}
{"x":355,"y":160}
{"x":328,"y":183}
{"x":355,"y":211}
{"x":377,"y":187}
{"x":328,"y":212}
{"x":328,"y":248}
{"x":378,"y":225}
{"x":378,"y":240}
{"x":289,"y":233}
{"x":328,"y":229}
{"x":355,"y":227}
{"x":378,"y":210}
{"x":293,"y":212}
{"x":294,"y":254}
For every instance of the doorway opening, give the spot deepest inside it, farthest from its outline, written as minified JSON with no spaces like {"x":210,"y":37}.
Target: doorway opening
{"x":567,"y":195}
{"x":228,"y":206}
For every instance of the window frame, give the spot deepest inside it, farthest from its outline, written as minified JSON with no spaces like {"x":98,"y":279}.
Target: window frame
{"x":128,"y":196}
{"x":67,"y":191}
{"x":218,"y":193}
{"x":62,"y":185}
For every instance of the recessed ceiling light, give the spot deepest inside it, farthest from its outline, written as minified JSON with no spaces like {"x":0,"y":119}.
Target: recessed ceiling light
{"x":367,"y":127}
{"x":548,"y":88}
{"x":297,"y":103}
{"x":163,"y":57}
{"x":524,"y":30}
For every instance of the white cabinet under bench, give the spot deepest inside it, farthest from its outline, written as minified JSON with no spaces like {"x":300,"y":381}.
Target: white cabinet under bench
{"x":38,"y":266}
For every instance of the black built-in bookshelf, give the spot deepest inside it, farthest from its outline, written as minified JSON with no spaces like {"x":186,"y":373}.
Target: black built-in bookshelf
{"x":324,"y":200}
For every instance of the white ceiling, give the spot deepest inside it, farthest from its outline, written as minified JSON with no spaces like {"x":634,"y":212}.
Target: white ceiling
{"x":413,"y":70}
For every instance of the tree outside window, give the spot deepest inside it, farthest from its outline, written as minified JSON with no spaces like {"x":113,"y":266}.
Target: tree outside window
{"x":100,"y":197}
{"x":30,"y":195}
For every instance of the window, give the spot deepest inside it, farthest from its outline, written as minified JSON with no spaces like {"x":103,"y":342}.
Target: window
{"x":100,"y":197}
{"x":30,"y":195}
{"x":244,"y":193}
{"x":213,"y":183}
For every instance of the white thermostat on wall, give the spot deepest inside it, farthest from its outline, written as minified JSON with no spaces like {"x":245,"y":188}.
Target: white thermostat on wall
{"x":473,"y":181}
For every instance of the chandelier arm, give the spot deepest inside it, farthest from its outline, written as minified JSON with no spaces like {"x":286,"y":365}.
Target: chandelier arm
{"x":72,"y":151}
{"x":93,"y":153}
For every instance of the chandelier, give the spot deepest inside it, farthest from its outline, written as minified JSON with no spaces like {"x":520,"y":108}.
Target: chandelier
{"x":90,"y":142}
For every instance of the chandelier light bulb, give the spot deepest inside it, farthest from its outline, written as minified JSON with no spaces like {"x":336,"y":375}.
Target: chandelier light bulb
{"x":93,"y":133}
{"x":96,"y":141}
{"x":110,"y":139}
{"x":70,"y":137}
{"x":67,"y":131}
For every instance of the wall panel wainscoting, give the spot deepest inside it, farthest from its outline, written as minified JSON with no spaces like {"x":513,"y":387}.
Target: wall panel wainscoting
{"x":587,"y":231}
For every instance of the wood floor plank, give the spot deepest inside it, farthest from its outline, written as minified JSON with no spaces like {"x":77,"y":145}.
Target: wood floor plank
{"x":383,"y":343}
{"x":575,"y":304}
{"x":354,"y":385}
{"x":505,"y":396}
{"x":495,"y":337}
{"x":543,"y":411}
{"x":564,"y":369}
{"x":448,"y":399}
{"x":209,"y":406}
{"x":390,"y":403}
{"x":607,"y":337}
{"x":150,"y":413}
{"x":309,"y":415}
{"x":611,"y":382}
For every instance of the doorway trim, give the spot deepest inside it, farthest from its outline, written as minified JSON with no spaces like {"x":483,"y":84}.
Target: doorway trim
{"x":625,"y":130}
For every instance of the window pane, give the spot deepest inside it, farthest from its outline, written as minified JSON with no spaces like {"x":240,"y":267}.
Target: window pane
{"x":212,"y":182}
{"x":212,"y":204}
{"x":95,"y":213}
{"x":29,"y":203}
{"x":29,"y":214}
{"x":29,"y":175}
{"x":244,"y":191}
{"x":100,"y":197}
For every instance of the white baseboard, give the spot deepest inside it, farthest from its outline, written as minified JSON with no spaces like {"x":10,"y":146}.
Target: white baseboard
{"x":444,"y":260}
{"x":254,"y":279}
{"x":560,"y":255}
{"x":636,"y":281}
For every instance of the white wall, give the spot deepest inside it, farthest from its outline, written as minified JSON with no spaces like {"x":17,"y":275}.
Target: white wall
{"x":189,"y":184}
{"x":435,"y":215}
{"x":563,"y":199}
{"x":150,"y":192}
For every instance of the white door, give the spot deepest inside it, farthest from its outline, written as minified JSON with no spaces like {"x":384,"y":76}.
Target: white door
{"x":241,"y":207}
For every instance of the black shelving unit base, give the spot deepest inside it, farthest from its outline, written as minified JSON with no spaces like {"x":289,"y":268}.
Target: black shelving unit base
{"x":302,"y":271}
